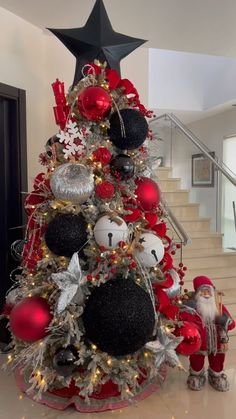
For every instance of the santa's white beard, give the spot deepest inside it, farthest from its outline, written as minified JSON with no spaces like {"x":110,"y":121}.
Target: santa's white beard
{"x":207,"y":308}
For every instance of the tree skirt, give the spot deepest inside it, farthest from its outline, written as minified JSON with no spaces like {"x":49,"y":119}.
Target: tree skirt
{"x":107,"y":399}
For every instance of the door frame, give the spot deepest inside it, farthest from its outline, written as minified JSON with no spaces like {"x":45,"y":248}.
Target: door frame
{"x":17,"y":98}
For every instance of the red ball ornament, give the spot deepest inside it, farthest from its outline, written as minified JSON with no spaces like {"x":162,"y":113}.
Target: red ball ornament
{"x":105,"y":190}
{"x":30,"y":318}
{"x":148,"y":193}
{"x":192,"y":339}
{"x":94,"y":103}
{"x":102,"y":155}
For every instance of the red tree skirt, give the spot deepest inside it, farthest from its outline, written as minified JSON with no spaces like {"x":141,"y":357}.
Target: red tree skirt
{"x":107,"y":399}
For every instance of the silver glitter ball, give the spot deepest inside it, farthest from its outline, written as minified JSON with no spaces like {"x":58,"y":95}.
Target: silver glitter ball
{"x":72,"y":182}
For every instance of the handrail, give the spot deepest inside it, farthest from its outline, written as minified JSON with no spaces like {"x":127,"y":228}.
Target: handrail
{"x":176,"y":225}
{"x":197,"y":142}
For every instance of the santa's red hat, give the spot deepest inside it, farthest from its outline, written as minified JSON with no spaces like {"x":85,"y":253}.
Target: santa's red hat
{"x":202,"y":281}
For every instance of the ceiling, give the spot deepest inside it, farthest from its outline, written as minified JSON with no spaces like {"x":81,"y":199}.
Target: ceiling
{"x":200,"y":26}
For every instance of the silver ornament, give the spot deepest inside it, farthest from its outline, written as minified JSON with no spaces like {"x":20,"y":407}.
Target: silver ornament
{"x":164,"y":349}
{"x":174,"y":290}
{"x":72,"y":182}
{"x":69,"y":282}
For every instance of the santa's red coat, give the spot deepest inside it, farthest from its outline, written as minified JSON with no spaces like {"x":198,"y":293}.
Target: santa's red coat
{"x":191,"y":315}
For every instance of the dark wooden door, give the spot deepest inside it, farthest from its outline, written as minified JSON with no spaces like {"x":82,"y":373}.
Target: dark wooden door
{"x":13,"y":177}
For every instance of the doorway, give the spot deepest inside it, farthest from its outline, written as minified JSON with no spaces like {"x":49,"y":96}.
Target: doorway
{"x":13,"y":177}
{"x":229,"y":195}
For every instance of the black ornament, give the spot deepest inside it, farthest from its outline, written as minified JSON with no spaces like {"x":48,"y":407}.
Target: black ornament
{"x":122,"y":166}
{"x":5,"y":335}
{"x":119,"y":317}
{"x":48,"y":147}
{"x":66,"y":234}
{"x":64,"y":361}
{"x":135,"y":129}
{"x":96,"y":40}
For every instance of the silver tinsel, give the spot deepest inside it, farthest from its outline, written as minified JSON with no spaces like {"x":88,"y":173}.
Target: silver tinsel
{"x":72,"y":182}
{"x":69,"y":282}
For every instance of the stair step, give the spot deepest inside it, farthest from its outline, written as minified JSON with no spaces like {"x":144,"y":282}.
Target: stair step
{"x":185,"y":211}
{"x":163,"y":172}
{"x":171,"y":184}
{"x":197,"y":224}
{"x":223,"y":278}
{"x":213,"y":261}
{"x":210,"y":240}
{"x":176,"y":197}
{"x":232,"y":339}
{"x":189,"y":252}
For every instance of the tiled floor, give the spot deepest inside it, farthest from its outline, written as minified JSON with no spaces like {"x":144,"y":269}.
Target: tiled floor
{"x":173,"y":401}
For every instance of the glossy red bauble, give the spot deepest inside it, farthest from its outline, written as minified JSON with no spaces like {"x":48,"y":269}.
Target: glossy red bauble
{"x":30,"y":318}
{"x":102,"y":155}
{"x":94,"y":103}
{"x":191,"y":342}
{"x":148,"y":193}
{"x":105,"y":190}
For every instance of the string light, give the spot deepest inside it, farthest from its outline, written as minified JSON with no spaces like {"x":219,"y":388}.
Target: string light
{"x":94,"y":347}
{"x":109,"y":361}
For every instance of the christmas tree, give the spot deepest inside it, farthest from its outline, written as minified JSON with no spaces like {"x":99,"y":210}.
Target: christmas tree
{"x":98,"y":296}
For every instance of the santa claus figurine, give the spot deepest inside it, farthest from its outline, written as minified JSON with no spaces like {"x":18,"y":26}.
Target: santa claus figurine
{"x":213,"y":321}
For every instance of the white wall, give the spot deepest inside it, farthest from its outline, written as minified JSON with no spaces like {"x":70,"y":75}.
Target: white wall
{"x":23,"y":66}
{"x":32,"y":60}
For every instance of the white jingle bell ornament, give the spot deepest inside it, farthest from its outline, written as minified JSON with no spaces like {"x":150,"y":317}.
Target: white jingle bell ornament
{"x":175,"y":289}
{"x":109,"y":231}
{"x":72,"y":182}
{"x":151,"y":250}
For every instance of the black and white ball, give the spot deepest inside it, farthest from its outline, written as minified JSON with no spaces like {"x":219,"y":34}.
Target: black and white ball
{"x":152,"y":252}
{"x":66,"y":234}
{"x":128,"y":130}
{"x":64,"y":361}
{"x":108,"y":232}
{"x":119,"y":317}
{"x":72,"y":182}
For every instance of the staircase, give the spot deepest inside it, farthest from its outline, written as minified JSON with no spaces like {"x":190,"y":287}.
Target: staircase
{"x":204,"y":255}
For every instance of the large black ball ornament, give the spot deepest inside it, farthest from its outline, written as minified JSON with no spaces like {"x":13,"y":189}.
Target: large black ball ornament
{"x":119,"y":317}
{"x":66,"y":234}
{"x":64,"y":361}
{"x":122,"y":166}
{"x":135,"y":129}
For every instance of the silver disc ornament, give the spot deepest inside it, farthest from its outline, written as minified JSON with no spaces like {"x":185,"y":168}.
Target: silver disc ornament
{"x":72,"y":182}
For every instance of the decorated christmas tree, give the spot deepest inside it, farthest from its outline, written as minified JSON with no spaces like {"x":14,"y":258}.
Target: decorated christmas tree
{"x":98,"y":296}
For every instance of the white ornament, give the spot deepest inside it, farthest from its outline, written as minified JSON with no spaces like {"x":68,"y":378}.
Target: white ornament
{"x":109,"y":231}
{"x":152,"y":252}
{"x":68,"y":137}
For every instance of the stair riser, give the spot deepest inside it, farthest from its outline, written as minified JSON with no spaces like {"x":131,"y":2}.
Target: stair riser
{"x":169,"y":185}
{"x":176,"y":197}
{"x":196,"y":225}
{"x":185,"y":212}
{"x":211,"y":262}
{"x":232,"y":342}
{"x":220,"y":283}
{"x":189,"y":252}
{"x":163,"y":173}
{"x":205,"y":243}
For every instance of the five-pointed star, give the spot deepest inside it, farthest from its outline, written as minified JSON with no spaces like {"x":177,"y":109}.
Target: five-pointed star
{"x":69,"y":282}
{"x":97,"y":40}
{"x":164,"y":349}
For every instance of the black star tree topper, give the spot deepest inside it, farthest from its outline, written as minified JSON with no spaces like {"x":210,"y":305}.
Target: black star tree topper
{"x":96,"y":40}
